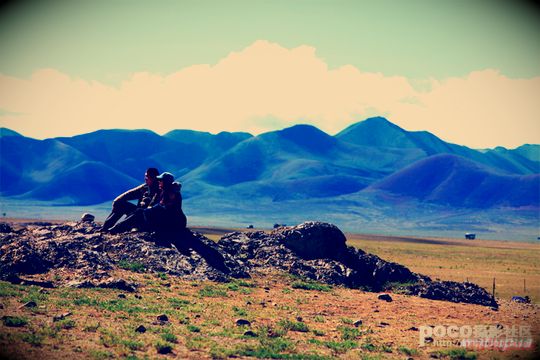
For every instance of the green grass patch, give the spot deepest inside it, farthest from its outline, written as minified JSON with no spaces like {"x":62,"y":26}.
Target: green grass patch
{"x":179,"y":303}
{"x":14,"y":321}
{"x":100,"y":354}
{"x":193,"y":329}
{"x":239,"y":311}
{"x":310,"y":285}
{"x":132,"y":345}
{"x":341,"y":347}
{"x":293,"y":325}
{"x":33,"y":294}
{"x":169,"y":337}
{"x":348,"y":333}
{"x":368,"y":346}
{"x":212,"y":291}
{"x":457,"y":354}
{"x":162,"y":276}
{"x":7,"y":289}
{"x":407,"y":351}
{"x":65,"y":324}
{"x":33,"y":339}
{"x":132,"y":266}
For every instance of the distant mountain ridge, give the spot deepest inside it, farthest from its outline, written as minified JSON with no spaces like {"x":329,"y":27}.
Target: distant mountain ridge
{"x":300,"y":162}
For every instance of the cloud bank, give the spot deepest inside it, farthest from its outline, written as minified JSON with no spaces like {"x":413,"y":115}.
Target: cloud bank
{"x":267,"y":87}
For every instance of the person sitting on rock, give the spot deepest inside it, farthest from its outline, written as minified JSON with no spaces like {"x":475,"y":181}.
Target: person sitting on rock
{"x":146,"y":195}
{"x":166,"y":216}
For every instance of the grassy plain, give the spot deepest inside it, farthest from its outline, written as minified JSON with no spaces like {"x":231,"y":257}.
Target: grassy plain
{"x":287,"y":317}
{"x":514,"y":265}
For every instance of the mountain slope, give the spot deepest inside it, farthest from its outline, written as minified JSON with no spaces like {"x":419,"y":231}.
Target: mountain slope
{"x":87,"y":183}
{"x":8,"y":132}
{"x":301,"y":153}
{"x":380,"y":132}
{"x":452,"y":180}
{"x":133,"y":151}
{"x":26,"y":163}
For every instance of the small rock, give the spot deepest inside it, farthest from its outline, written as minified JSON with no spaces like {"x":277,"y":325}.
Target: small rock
{"x":140,"y":329}
{"x":522,"y":300}
{"x":197,"y":316}
{"x":428,"y":340}
{"x":494,"y":308}
{"x":266,"y":288}
{"x":30,"y":304}
{"x":5,"y":228}
{"x":385,"y":297}
{"x":163,"y":318}
{"x":376,"y":310}
{"x":122,"y":296}
{"x":86,"y":217}
{"x":250,"y":333}
{"x":413,"y":328}
{"x":1,"y":306}
{"x":61,"y":316}
{"x":299,"y":319}
{"x":119,"y":284}
{"x":358,"y":323}
{"x":248,"y":303}
{"x":242,"y":322}
{"x":137,"y":296}
{"x":164,"y":349}
{"x":383,"y":324}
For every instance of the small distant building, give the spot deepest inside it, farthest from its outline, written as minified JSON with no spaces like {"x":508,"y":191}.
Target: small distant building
{"x":470,"y":236}
{"x":250,"y":227}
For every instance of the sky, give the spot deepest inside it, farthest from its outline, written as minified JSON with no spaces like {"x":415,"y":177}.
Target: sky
{"x":467,"y":71}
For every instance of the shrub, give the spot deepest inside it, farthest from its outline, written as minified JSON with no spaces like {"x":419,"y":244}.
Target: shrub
{"x":14,"y":321}
{"x":310,"y":285}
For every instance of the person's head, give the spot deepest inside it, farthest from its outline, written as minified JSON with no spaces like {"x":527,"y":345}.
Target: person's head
{"x":165,"y":180}
{"x":150,"y":176}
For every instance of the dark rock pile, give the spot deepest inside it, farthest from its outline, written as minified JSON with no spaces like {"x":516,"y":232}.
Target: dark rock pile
{"x":312,"y":250}
{"x":91,"y":255}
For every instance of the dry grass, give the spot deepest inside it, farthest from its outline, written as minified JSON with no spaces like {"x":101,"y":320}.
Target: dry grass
{"x":478,"y":261}
{"x":288,"y":322}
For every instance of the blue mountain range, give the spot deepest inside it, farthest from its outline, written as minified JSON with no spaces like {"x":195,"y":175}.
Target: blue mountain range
{"x":301,"y":162}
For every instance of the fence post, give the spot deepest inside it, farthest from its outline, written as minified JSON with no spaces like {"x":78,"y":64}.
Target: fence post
{"x":493,"y":287}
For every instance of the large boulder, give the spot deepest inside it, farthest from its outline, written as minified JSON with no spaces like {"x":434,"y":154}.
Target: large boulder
{"x":313,"y":240}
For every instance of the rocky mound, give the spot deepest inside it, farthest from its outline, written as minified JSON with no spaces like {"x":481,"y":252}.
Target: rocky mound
{"x":91,"y":255}
{"x":312,"y":250}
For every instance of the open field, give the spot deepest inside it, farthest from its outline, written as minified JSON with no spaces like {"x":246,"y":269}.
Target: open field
{"x":514,"y":265}
{"x":289,"y":318}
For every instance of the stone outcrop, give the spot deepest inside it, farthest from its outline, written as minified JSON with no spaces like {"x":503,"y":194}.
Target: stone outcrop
{"x":311,"y":250}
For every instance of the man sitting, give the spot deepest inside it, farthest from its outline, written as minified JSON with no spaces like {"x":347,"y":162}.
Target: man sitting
{"x":164,"y":216}
{"x":146,"y":194}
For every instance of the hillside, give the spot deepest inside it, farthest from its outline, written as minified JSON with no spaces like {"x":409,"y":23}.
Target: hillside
{"x":455,"y":181}
{"x":356,"y":178}
{"x":380,"y":132}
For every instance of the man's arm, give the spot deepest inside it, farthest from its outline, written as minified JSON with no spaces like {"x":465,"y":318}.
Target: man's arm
{"x":133,"y":194}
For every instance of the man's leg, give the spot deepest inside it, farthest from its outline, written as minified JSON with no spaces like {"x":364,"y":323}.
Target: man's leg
{"x":134,"y":219}
{"x":119,"y":209}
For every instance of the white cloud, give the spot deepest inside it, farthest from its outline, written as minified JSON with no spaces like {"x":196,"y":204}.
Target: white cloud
{"x":266,"y":84}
